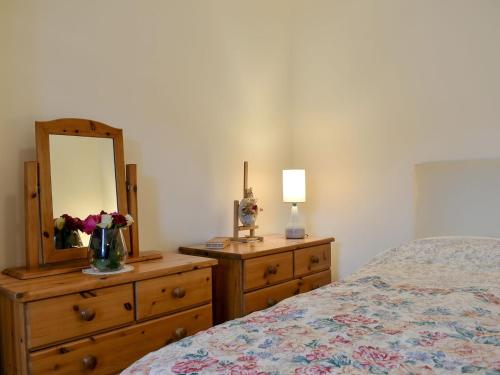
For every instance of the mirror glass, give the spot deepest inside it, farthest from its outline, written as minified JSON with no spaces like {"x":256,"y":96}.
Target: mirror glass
{"x":83,"y":182}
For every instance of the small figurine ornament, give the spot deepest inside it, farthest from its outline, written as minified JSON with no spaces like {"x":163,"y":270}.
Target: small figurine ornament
{"x":246,"y":211}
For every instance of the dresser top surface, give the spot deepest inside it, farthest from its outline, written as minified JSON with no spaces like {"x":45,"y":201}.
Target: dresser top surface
{"x":272,"y":244}
{"x":74,"y":282}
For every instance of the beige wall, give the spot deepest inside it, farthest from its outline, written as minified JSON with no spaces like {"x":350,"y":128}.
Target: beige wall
{"x":197,"y":86}
{"x":369,"y":88}
{"x":378,"y":87}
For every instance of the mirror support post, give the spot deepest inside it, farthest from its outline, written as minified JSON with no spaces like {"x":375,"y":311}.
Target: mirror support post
{"x":31,"y":214}
{"x":131,"y":180}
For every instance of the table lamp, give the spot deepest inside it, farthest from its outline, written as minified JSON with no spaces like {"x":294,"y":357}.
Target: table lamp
{"x":294,"y":191}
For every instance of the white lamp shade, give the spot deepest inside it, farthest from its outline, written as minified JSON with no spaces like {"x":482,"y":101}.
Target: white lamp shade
{"x":294,"y":185}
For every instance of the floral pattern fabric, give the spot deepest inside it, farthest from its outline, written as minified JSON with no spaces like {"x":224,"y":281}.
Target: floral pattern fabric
{"x":428,"y":307}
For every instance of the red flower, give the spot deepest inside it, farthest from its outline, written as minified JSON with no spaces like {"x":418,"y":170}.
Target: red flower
{"x":118,"y":219}
{"x":193,"y":365}
{"x":72,"y":223}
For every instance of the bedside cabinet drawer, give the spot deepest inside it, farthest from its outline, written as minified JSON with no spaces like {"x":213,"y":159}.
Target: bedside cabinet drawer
{"x":267,"y":270}
{"x":174,"y":292}
{"x":65,"y":317}
{"x":312,"y":259}
{"x":315,"y":281}
{"x":270,"y":296}
{"x":110,"y":353}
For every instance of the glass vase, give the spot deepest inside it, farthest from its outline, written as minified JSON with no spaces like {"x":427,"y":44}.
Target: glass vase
{"x":67,"y":239}
{"x":107,"y":250}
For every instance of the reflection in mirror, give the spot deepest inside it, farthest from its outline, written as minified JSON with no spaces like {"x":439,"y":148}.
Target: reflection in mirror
{"x":83,"y":182}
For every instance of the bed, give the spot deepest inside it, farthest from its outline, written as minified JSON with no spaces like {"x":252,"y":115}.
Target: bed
{"x":429,"y":306}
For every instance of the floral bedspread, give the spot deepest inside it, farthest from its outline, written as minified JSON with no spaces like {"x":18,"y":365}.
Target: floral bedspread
{"x":428,"y":307}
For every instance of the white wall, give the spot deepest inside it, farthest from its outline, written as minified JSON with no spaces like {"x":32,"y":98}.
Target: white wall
{"x":378,"y":87}
{"x":197,"y":86}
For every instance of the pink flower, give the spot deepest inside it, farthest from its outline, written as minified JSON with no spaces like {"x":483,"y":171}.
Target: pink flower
{"x":276,"y":331}
{"x":426,"y":342}
{"x":356,"y":319}
{"x":313,"y":370}
{"x":258,"y":319}
{"x":390,"y":331}
{"x":248,"y":367}
{"x":369,"y":356}
{"x":358,"y":332}
{"x":321,"y":352}
{"x":239,"y":370}
{"x":488,"y":297}
{"x":193,"y":365}
{"x":90,"y":223}
{"x":339,"y":340}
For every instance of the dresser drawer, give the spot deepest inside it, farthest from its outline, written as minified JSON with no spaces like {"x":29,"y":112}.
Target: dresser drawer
{"x":312,"y":259}
{"x":73,"y":315}
{"x":267,"y":270}
{"x":267,"y":297}
{"x":112,"y":352}
{"x":174,"y":292}
{"x":314,"y":281}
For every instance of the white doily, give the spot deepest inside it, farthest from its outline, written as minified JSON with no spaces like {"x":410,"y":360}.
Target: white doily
{"x":91,"y":271}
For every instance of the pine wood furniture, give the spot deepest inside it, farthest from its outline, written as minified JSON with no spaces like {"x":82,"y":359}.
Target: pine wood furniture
{"x":256,"y":275}
{"x":53,"y":318}
{"x":42,"y":259}
{"x":80,"y":324}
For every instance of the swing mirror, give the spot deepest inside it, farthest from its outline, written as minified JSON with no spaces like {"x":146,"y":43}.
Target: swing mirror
{"x":81,"y":172}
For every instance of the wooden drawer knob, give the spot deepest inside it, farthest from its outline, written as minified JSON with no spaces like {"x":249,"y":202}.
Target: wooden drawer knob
{"x":271,"y":301}
{"x":314,"y":259}
{"x":272,"y":270}
{"x":180,"y":333}
{"x":179,"y":292}
{"x":87,"y":314}
{"x":89,"y":362}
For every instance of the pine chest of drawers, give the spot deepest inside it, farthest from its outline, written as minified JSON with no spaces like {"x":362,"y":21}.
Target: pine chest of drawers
{"x":253,"y":276}
{"x":80,"y":324}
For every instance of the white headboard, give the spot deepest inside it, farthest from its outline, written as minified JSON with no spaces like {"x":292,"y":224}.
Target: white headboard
{"x":457,"y":198}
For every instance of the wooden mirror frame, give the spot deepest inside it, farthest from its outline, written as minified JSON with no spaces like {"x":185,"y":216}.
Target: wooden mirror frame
{"x":81,"y":128}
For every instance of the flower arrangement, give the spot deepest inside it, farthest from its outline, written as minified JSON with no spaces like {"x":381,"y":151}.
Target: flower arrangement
{"x":68,"y":222}
{"x":106,"y":221}
{"x":66,"y":230}
{"x":107,"y":247}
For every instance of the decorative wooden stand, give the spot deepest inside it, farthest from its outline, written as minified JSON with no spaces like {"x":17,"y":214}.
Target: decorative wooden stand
{"x":237,"y":228}
{"x":36,"y":206}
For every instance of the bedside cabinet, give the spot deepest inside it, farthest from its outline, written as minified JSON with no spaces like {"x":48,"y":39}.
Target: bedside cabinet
{"x":256,"y":275}
{"x":81,"y":324}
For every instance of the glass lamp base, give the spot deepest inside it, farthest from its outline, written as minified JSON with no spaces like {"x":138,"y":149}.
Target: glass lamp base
{"x":295,"y":228}
{"x":295,"y":233}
